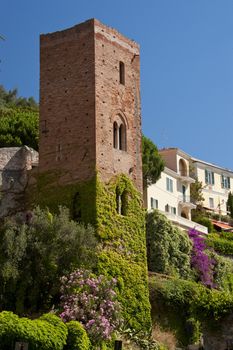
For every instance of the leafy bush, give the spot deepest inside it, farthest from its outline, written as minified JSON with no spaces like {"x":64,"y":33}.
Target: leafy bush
{"x":223,"y":272}
{"x":168,"y":248}
{"x":221,"y":245}
{"x":35,"y":251}
{"x":92,"y":301}
{"x":202,"y":220}
{"x":45,"y":333}
{"x":77,"y":338}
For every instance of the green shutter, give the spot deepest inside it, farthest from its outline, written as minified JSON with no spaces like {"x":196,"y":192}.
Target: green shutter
{"x":206,"y":176}
{"x":212,"y":174}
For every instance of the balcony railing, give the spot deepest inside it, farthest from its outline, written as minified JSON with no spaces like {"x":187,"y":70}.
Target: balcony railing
{"x":185,"y":223}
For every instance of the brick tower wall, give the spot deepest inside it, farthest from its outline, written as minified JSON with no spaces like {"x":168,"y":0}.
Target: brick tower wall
{"x":81,"y":97}
{"x":115,"y":101}
{"x":67,"y":103}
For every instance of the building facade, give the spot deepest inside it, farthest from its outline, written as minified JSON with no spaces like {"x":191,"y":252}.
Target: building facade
{"x":217,"y":182}
{"x":171,"y":193}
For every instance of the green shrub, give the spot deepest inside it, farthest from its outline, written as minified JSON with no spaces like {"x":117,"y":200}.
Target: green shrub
{"x":77,"y":338}
{"x":202,"y":220}
{"x":221,"y":245}
{"x":168,"y":248}
{"x":45,"y":333}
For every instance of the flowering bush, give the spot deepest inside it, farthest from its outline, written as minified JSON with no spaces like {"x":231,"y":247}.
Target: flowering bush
{"x":200,"y":261}
{"x":92,"y":301}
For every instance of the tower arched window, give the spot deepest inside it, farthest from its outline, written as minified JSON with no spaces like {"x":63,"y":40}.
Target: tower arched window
{"x":119,"y":133}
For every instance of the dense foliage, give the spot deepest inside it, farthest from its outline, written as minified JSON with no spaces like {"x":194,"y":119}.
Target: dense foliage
{"x":168,"y":248}
{"x":200,"y":261}
{"x":230,"y":204}
{"x":205,"y":221}
{"x":46,"y":333}
{"x":122,"y":237}
{"x":36,"y":250}
{"x":18,"y":120}
{"x":92,"y":301}
{"x":77,"y":338}
{"x":152,"y":162}
{"x":221,"y":243}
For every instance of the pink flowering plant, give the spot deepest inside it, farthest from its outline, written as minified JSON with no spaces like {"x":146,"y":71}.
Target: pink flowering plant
{"x":200,"y":261}
{"x":92,"y":301}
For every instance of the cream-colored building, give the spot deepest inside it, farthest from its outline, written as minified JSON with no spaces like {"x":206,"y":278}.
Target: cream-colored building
{"x":171,"y":193}
{"x":217,"y":182}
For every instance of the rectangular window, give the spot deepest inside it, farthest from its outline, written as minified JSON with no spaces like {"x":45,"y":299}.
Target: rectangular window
{"x":173,"y":210}
{"x":169,"y":184}
{"x":211,"y":202}
{"x":122,"y":72}
{"x":225,"y":182}
{"x":153,"y":203}
{"x":209,"y":177}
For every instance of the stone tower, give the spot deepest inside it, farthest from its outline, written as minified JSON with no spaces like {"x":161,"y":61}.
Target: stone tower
{"x":90,"y":150}
{"x":90,"y":115}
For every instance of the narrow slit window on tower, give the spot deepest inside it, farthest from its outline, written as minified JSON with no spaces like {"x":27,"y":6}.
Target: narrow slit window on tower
{"x":115,"y":135}
{"x":122,"y":73}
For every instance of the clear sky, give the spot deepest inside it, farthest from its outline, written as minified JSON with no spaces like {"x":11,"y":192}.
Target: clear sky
{"x":186,"y":62}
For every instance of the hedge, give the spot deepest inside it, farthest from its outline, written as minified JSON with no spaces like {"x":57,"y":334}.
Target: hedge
{"x":45,"y":333}
{"x":77,"y":338}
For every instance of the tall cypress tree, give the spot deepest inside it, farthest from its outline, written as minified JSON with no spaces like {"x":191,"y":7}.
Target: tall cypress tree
{"x":230,"y":204}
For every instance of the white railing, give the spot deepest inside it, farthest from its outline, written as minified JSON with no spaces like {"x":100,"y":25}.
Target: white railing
{"x":183,"y":222}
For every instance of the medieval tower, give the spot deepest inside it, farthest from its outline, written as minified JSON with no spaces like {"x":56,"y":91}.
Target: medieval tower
{"x":90,"y":117}
{"x":90,"y":149}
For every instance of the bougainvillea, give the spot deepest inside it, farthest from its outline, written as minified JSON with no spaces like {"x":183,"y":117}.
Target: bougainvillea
{"x":200,"y":261}
{"x":92,"y":301}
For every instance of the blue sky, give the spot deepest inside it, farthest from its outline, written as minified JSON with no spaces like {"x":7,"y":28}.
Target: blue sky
{"x":186,"y":62}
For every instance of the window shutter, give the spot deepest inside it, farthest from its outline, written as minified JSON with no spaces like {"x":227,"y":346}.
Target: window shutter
{"x":206,"y":176}
{"x":222,"y":181}
{"x":212,"y":178}
{"x":228,"y":182}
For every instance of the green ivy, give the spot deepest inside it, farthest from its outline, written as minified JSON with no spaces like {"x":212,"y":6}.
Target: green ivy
{"x":122,"y":236}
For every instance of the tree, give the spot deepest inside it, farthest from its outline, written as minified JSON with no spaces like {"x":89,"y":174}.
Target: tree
{"x":196,"y":192}
{"x":35,"y":252}
{"x":230,"y":204}
{"x":152,"y":162}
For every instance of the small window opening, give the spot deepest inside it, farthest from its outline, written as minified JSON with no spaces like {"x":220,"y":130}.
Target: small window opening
{"x":121,"y":202}
{"x":115,"y":135}
{"x":122,"y":73}
{"x":77,"y":213}
{"x":44,"y":128}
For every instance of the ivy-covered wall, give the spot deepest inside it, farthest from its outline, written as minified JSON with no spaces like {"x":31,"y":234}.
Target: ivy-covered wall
{"x":116,"y":211}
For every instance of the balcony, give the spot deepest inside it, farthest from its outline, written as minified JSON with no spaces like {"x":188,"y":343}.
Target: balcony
{"x":185,"y":202}
{"x":185,"y":178}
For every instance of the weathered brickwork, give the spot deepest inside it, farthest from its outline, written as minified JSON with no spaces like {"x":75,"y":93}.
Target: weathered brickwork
{"x":80,"y":98}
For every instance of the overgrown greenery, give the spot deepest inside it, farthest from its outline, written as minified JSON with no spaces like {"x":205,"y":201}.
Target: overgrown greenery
{"x":77,"y":338}
{"x":168,"y":248}
{"x":152,"y":162}
{"x":122,"y":237}
{"x":35,"y":251}
{"x":175,"y":301}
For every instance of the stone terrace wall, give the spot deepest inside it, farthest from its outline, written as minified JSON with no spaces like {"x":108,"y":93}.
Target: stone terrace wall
{"x":15,"y":162}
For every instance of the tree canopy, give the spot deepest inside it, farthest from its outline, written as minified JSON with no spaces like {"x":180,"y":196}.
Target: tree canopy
{"x":19,"y":120}
{"x":152,"y":162}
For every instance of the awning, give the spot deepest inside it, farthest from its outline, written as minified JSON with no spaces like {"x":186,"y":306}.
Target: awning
{"x":224,"y":226}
